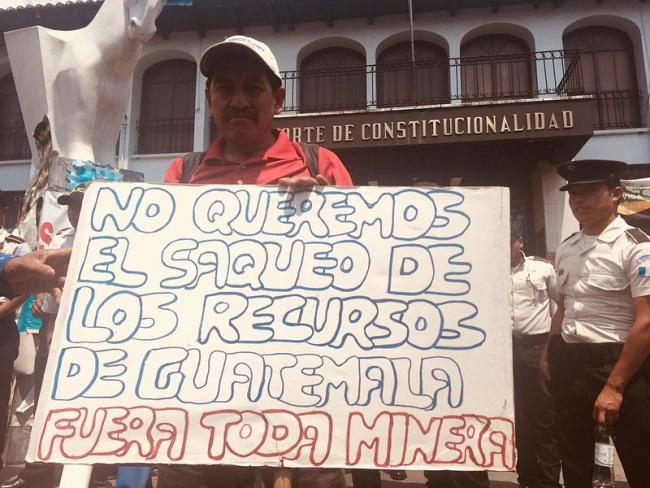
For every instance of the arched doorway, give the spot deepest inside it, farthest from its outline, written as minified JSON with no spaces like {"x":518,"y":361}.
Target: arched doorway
{"x":167,"y":107}
{"x":401,"y":82}
{"x":609,"y":73}
{"x":13,"y":137}
{"x":333,"y":78}
{"x":496,"y":66}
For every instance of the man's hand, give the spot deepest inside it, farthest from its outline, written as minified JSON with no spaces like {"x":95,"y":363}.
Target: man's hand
{"x":608,"y":405}
{"x":298,"y":183}
{"x":37,"y":306}
{"x":57,"y":293}
{"x":38,"y":271}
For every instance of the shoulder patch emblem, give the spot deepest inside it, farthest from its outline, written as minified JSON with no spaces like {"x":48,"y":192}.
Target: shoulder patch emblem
{"x":538,"y":258}
{"x":637,"y":235}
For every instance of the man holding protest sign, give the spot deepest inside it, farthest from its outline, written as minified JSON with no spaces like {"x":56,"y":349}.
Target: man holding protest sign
{"x":600,"y":336}
{"x":244,"y":91}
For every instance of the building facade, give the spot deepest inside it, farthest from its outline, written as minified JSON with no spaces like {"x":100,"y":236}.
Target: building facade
{"x":461,"y":92}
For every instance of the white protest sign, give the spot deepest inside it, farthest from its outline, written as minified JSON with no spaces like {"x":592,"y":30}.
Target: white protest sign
{"x":249,"y":325}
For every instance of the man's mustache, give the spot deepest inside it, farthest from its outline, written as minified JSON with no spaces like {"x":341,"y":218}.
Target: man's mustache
{"x":241,"y":113}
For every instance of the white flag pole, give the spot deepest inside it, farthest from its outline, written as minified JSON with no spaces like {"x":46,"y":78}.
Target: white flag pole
{"x":76,"y":475}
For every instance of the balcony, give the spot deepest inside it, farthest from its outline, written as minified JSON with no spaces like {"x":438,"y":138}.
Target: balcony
{"x":14,"y":144}
{"x":165,"y":135}
{"x":617,"y":109}
{"x":456,"y":80}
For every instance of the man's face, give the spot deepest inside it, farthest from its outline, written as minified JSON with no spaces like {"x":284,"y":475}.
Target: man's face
{"x":242,"y":101}
{"x":73,"y":214}
{"x":516,"y":246}
{"x":593,"y":202}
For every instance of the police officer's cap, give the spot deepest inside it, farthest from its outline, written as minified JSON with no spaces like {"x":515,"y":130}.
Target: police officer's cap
{"x":591,"y":171}
{"x":76,"y":196}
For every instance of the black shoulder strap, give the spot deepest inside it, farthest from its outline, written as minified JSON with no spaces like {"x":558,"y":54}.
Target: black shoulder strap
{"x":14,"y":239}
{"x":570,"y":236}
{"x":311,"y":157}
{"x":191,"y":161}
{"x":637,"y":235}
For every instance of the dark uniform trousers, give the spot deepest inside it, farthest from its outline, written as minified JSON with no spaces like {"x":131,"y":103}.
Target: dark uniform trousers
{"x":538,"y":459}
{"x":9,"y":339}
{"x":457,"y":479}
{"x":41,"y":474}
{"x":223,"y":476}
{"x":578,"y":374}
{"x":366,"y":478}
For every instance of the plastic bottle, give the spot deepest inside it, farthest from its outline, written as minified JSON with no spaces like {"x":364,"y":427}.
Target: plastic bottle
{"x":603,"y":476}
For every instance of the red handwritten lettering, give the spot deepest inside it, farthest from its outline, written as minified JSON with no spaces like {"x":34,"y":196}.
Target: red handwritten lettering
{"x":114,"y":431}
{"x":270,"y":433}
{"x":400,"y":439}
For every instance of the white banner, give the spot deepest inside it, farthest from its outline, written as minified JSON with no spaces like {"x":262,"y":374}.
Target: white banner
{"x":249,"y":325}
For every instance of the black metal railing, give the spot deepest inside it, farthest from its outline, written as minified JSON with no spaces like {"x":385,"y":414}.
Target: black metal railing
{"x":14,"y":144}
{"x":571,"y":83}
{"x":165,"y":135}
{"x":433,"y":81}
{"x":617,"y":109}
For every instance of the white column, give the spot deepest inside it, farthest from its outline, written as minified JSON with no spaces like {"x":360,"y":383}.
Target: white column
{"x":201,"y":121}
{"x":549,"y":69}
{"x":124,"y":150}
{"x":558,"y":219}
{"x":371,"y":79}
{"x":455,"y":80}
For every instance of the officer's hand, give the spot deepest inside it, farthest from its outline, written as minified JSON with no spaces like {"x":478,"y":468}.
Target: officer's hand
{"x":37,"y":306}
{"x":608,"y":405}
{"x":57,"y":292}
{"x":545,"y":373}
{"x":38,"y":271}
{"x":298,"y":183}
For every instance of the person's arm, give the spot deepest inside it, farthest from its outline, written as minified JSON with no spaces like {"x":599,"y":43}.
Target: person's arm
{"x":174,"y":171}
{"x":9,"y":306}
{"x":551,"y":285}
{"x":635,"y":352}
{"x":556,"y":330}
{"x":35,"y":272}
{"x":5,"y":291}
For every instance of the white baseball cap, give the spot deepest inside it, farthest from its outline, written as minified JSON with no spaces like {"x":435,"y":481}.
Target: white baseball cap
{"x":261,"y":50}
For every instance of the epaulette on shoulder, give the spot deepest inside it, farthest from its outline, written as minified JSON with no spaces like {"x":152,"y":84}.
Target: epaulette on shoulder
{"x":570,"y":236}
{"x":637,"y":235}
{"x":538,"y":258}
{"x":14,"y":239}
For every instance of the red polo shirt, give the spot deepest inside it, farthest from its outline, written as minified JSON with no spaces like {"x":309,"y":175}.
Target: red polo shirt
{"x":282,"y":159}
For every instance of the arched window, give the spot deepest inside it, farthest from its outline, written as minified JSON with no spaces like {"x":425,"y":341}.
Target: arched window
{"x":400,"y":82}
{"x":13,"y":138}
{"x":609,"y":73}
{"x":333,"y":79}
{"x":496,"y":66}
{"x":167,"y":107}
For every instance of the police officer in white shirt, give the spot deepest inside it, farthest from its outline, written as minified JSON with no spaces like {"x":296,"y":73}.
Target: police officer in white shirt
{"x":600,"y":335}
{"x":46,"y":306}
{"x":534,"y":295}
